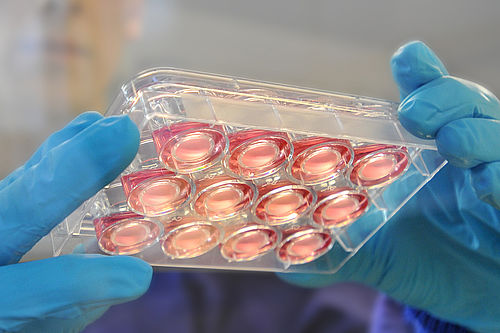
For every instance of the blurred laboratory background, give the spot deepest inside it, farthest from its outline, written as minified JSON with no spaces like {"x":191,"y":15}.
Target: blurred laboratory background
{"x":59,"y":58}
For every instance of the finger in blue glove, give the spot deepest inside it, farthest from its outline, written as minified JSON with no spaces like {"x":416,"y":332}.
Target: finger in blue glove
{"x":64,"y":294}
{"x":62,"y":178}
{"x":439,"y":253}
{"x":74,"y":127}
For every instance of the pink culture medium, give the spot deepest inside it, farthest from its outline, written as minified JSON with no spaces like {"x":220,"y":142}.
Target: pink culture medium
{"x":304,"y":244}
{"x":190,"y":148}
{"x":223,"y":197}
{"x":379,"y":168}
{"x":254,"y":155}
{"x":339,"y":208}
{"x":159,"y":196}
{"x":318,"y":159}
{"x":248,"y":241}
{"x":126,"y":233}
{"x":283,"y":203}
{"x":189,"y":238}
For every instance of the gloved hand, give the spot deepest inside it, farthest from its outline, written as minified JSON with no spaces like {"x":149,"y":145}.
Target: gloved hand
{"x":441,"y":252}
{"x":64,"y":294}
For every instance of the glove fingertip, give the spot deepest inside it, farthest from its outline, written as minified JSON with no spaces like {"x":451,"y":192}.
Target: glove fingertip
{"x":137,"y":272}
{"x":112,"y":279}
{"x":111,"y":146}
{"x":124,"y":133}
{"x":413,"y":65}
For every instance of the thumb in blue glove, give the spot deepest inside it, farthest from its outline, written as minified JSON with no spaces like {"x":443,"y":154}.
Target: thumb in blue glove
{"x":439,"y":253}
{"x":64,"y":294}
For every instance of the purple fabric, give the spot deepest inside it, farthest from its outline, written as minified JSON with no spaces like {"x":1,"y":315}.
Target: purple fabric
{"x":388,"y":317}
{"x":185,"y":302}
{"x":392,"y":317}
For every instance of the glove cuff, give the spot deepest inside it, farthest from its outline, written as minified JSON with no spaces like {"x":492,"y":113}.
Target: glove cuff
{"x":425,"y":323}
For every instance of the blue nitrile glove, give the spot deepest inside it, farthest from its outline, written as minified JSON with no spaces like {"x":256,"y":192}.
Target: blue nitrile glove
{"x":441,"y":252}
{"x":66,"y":293}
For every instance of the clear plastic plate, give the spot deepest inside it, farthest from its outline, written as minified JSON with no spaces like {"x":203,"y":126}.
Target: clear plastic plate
{"x":245,"y":175}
